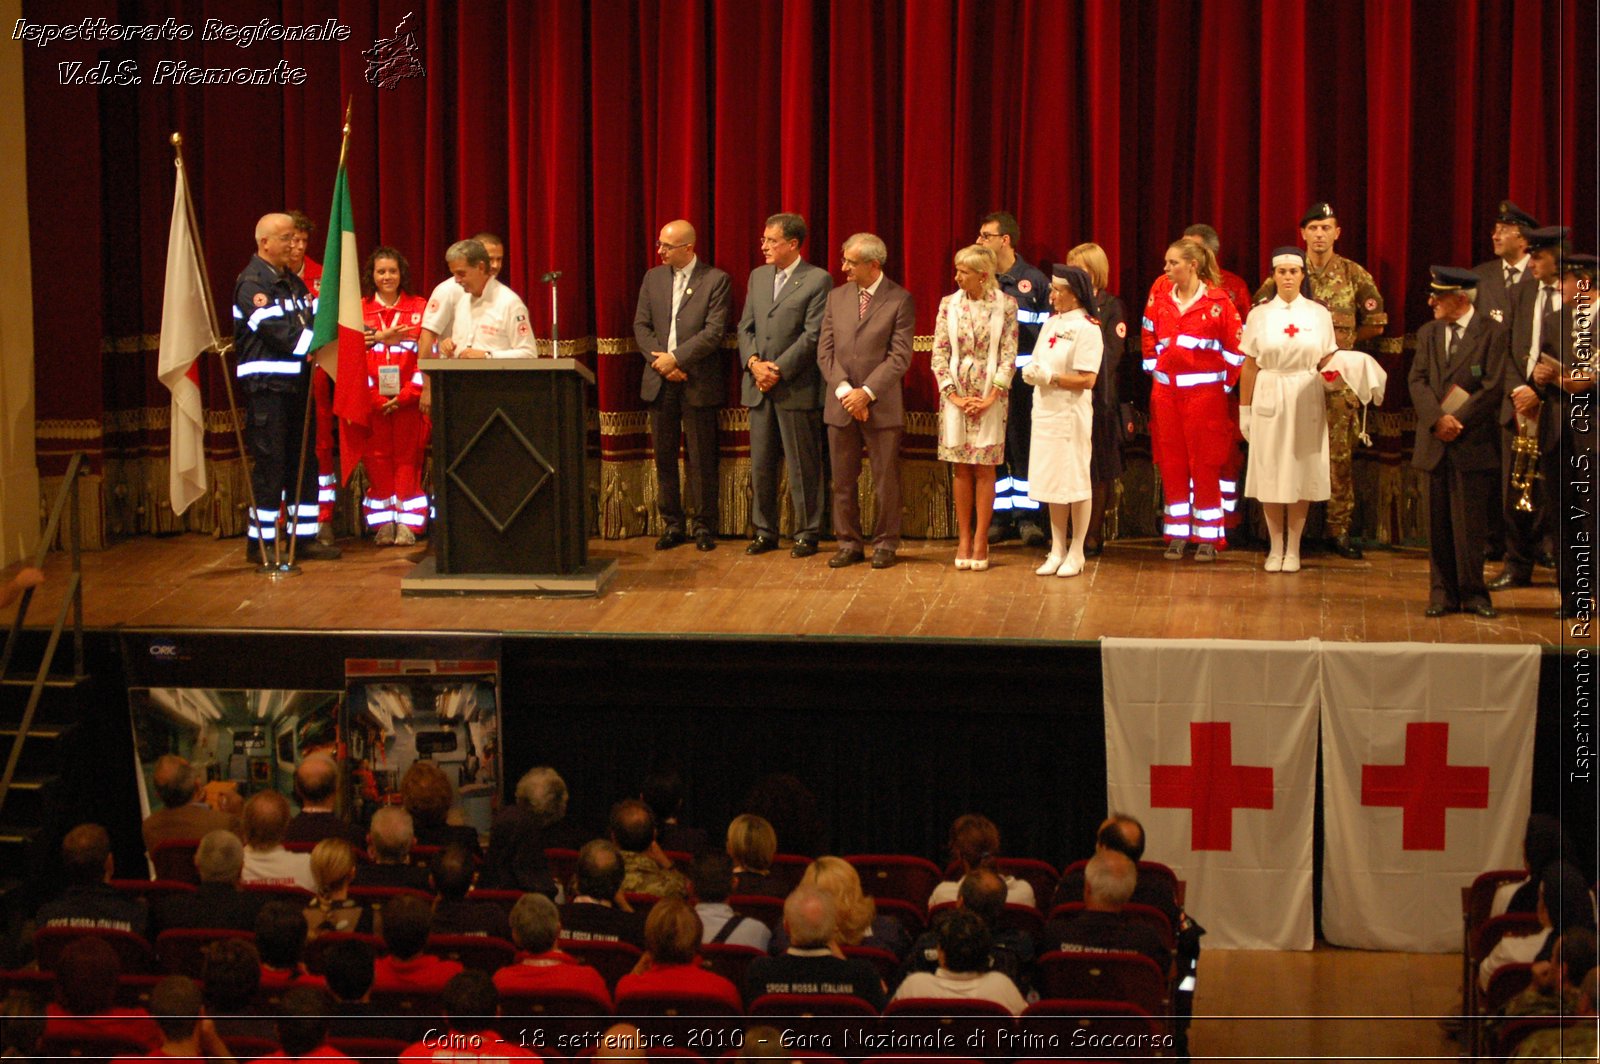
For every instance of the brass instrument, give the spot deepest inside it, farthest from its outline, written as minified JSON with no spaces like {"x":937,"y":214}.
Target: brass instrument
{"x":1525,"y":460}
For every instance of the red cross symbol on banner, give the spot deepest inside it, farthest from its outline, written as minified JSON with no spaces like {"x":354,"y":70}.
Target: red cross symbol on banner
{"x":1291,"y":329}
{"x":1425,"y":786}
{"x":1211,"y":785}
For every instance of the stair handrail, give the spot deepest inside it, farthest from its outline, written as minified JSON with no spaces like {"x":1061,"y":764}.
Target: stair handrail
{"x":66,"y":501}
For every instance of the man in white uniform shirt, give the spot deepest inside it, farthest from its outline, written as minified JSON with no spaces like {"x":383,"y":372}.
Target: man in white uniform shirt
{"x":491,"y":321}
{"x":439,"y":318}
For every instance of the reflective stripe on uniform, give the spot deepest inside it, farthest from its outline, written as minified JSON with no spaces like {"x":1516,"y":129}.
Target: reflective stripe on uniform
{"x":1178,"y":509}
{"x":262,"y":314}
{"x":1031,"y":317}
{"x":267,"y":366}
{"x":1176,"y":529}
{"x":1189,"y":380}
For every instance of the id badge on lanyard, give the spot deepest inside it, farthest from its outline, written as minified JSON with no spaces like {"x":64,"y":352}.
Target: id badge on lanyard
{"x":388,"y":381}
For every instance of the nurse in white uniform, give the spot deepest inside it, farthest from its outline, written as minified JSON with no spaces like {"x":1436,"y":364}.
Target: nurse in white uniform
{"x":1287,"y":341}
{"x":1065,"y":362}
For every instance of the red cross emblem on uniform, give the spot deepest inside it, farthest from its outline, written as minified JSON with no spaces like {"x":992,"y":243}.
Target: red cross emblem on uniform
{"x":1053,"y":338}
{"x":1291,"y":329}
{"x":1425,"y":786}
{"x":1212,"y":786}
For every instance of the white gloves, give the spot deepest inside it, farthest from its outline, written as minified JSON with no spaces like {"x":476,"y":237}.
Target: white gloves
{"x":1244,"y":422}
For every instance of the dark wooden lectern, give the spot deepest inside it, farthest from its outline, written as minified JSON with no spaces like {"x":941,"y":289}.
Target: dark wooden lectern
{"x":510,"y":493}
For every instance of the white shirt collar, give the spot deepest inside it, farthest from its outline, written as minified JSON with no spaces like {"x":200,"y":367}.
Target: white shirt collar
{"x":688,"y":270}
{"x":1466,"y":319}
{"x":872,"y":289}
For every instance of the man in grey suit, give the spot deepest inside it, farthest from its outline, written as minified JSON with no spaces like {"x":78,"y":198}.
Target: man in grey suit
{"x":684,"y":306}
{"x":863,"y":352}
{"x":1455,"y":387}
{"x":781,"y":385}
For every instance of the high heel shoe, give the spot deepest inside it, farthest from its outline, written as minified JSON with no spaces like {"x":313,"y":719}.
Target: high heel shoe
{"x":1051,"y":564}
{"x":1071,"y":567}
{"x":979,"y":565}
{"x":963,"y":563}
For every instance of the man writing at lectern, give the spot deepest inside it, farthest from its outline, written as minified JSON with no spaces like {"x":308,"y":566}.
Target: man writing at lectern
{"x":492,"y":322}
{"x":684,"y":306}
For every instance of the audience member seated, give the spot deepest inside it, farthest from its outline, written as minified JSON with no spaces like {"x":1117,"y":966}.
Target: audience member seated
{"x":1563,"y":903}
{"x":1101,"y":926}
{"x":783,"y":801}
{"x":1554,"y":985}
{"x":87,"y":900}
{"x":219,"y":903}
{"x":662,"y":790}
{"x":965,"y":970}
{"x":598,"y":912}
{"x":975,"y":843}
{"x":389,"y":842}
{"x":230,"y":977}
{"x":281,"y":941}
{"x":184,"y":816}
{"x":451,"y":876}
{"x":427,"y":794}
{"x":86,"y":998}
{"x":303,"y":1024}
{"x":713,"y":882}
{"x":859,"y":922}
{"x":752,"y":844}
{"x":316,"y":785}
{"x":518,"y":837}
{"x":1124,"y":835}
{"x":21,"y":1026}
{"x":407,"y":923}
{"x":1543,"y":841}
{"x":540,"y":966}
{"x":333,"y":867}
{"x":981,"y":892}
{"x":646,"y":869}
{"x":1575,"y":1042}
{"x":671,"y":959}
{"x":812,"y":963}
{"x":471,"y":1003}
{"x":349,"y":968}
{"x":266,"y":818}
{"x":186,"y":1031}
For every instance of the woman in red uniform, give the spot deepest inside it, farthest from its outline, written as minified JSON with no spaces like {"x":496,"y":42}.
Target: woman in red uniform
{"x":1191,"y":346}
{"x":395,"y":505}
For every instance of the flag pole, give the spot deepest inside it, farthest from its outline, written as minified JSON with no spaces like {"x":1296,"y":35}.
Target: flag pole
{"x":305,"y":426}
{"x":220,"y":346}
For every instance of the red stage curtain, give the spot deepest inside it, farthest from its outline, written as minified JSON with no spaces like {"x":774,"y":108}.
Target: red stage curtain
{"x":576,"y":130}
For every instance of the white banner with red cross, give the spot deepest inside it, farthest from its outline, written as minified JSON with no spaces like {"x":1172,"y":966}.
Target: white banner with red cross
{"x":1427,"y":758}
{"x":1212,"y":744}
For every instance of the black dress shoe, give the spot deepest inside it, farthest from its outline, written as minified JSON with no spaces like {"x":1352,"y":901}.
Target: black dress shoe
{"x":1546,"y":560}
{"x":1344,"y":547}
{"x":1000,"y":531}
{"x":671,"y":538}
{"x":1483,"y":609}
{"x":882,"y":558}
{"x":312,"y":551}
{"x":803,"y":548}
{"x":1092,"y":550}
{"x":1032,"y":535}
{"x":846,"y":556}
{"x":761,"y":544}
{"x":1438,"y":611}
{"x":705,"y":541}
{"x":1509,"y":579}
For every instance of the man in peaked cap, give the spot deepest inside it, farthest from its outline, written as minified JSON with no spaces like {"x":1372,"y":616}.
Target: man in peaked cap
{"x":1569,"y":338}
{"x":1455,"y":387}
{"x":1352,"y":297}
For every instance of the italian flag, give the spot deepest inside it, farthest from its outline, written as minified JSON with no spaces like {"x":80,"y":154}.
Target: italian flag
{"x":336,"y":335}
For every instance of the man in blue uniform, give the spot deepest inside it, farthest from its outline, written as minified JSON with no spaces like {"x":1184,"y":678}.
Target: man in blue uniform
{"x":1014,"y":513}
{"x":272,"y":318}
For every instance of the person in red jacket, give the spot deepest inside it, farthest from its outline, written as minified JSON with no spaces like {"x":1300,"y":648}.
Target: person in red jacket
{"x":1190,"y":337}
{"x":395,"y":507}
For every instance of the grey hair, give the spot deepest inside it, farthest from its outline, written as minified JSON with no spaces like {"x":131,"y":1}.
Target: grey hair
{"x":1111,"y":877}
{"x":543,"y":790}
{"x":868,"y":247}
{"x":811,"y":916}
{"x":220,"y":857}
{"x":468,"y":251}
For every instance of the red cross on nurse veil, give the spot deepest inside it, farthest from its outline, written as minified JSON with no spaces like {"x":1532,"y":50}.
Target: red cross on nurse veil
{"x":1425,"y":786}
{"x":1211,"y":785}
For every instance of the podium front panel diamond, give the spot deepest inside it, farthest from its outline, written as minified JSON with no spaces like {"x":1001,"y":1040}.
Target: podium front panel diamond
{"x":494,"y":471}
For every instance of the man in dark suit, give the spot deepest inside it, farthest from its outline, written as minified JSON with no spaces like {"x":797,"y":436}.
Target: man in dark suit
{"x":1569,"y":337}
{"x":781,"y":385}
{"x":684,"y":306}
{"x":863,"y":352}
{"x":1455,"y":388}
{"x":1523,"y":411}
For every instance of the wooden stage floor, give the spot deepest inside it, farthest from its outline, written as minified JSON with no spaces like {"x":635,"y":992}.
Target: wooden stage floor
{"x":192,"y":581}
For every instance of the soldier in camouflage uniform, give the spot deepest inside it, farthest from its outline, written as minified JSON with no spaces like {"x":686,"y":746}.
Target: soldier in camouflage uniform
{"x":1352,"y":297}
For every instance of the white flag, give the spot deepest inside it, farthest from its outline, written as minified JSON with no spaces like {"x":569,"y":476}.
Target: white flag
{"x":1212,"y":744}
{"x":186,"y":331}
{"x":1427,"y":764}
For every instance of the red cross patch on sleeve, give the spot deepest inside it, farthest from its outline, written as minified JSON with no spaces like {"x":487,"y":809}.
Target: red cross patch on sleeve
{"x":1216,"y":311}
{"x":1372,"y":304}
{"x":433,"y":305}
{"x":1122,"y":329}
{"x":259,"y":299}
{"x":1024,"y":286}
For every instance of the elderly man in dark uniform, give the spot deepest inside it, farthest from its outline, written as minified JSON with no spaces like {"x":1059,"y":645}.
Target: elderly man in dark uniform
{"x":1352,"y":297}
{"x":1455,"y":388}
{"x":272,"y":317}
{"x":1015,"y":514}
{"x":1568,"y":336}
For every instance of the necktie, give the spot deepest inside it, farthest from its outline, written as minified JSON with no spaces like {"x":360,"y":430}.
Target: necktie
{"x":1546,"y":302}
{"x":1455,"y":338}
{"x":866,"y":300}
{"x":679,"y":281}
{"x":1512,"y":273}
{"x":777,"y":284}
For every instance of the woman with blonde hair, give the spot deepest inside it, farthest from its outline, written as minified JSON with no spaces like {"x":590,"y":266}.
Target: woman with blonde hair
{"x":974,"y":356}
{"x":333,"y":866}
{"x":859,"y":922}
{"x":752,"y":843}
